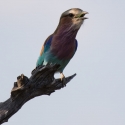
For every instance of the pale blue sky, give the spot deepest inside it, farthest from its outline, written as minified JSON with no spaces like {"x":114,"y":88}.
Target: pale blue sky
{"x":96,"y":96}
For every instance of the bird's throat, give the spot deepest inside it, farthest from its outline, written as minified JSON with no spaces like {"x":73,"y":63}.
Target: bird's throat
{"x":63,"y":42}
{"x":65,"y":33}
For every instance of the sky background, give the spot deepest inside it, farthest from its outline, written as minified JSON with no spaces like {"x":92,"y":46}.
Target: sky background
{"x":96,"y":96}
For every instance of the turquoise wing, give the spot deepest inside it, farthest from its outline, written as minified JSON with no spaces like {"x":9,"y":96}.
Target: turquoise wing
{"x":45,"y":48}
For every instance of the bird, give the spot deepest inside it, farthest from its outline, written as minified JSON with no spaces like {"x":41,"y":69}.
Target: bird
{"x":61,"y":45}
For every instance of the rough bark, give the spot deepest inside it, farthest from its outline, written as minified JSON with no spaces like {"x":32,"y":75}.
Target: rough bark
{"x":41,"y":82}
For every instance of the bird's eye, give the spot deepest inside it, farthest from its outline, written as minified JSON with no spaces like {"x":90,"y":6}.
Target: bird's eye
{"x":71,"y":15}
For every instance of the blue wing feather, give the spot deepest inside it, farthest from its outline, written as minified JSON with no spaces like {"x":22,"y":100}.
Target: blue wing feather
{"x":46,"y":45}
{"x":76,"y":42}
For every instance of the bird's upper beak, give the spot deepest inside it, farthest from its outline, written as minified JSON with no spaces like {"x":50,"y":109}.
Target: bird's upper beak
{"x":84,"y":12}
{"x":81,"y":15}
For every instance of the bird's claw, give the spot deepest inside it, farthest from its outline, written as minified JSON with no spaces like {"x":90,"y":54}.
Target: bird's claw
{"x":63,"y":80}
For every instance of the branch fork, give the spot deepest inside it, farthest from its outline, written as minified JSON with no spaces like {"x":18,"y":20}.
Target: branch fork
{"x":41,"y":82}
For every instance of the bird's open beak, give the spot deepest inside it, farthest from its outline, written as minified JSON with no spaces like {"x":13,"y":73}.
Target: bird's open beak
{"x":81,"y":15}
{"x":84,"y":13}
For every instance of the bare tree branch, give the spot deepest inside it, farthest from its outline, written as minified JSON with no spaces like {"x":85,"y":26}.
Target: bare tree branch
{"x":41,"y":82}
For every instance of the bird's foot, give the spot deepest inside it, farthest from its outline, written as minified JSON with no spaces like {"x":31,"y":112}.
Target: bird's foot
{"x":63,"y":80}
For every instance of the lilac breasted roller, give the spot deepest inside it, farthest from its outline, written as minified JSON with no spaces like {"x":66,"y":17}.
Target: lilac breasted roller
{"x":61,"y":46}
